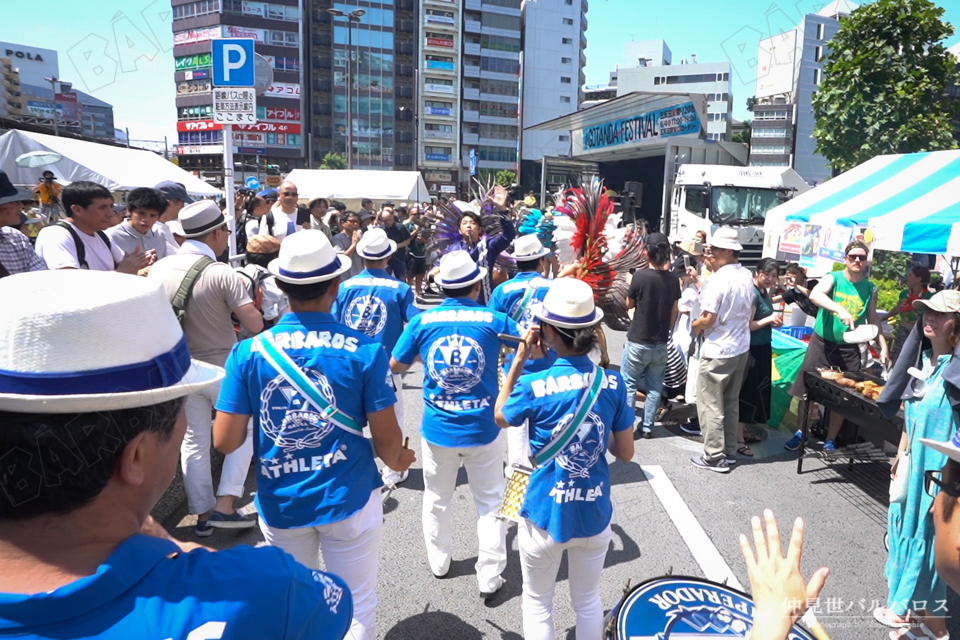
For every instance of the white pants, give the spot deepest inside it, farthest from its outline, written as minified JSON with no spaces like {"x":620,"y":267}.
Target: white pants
{"x":518,"y":445}
{"x":350,"y":549}
{"x":195,"y":455}
{"x":389,"y":475}
{"x":540,"y":559}
{"x":484,"y":467}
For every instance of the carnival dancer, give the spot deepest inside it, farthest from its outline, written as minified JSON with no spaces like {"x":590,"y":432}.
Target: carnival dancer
{"x":312,"y":385}
{"x":458,"y":344}
{"x":378,"y":305}
{"x":483,"y":233}
{"x":517,"y":298}
{"x":80,"y":556}
{"x":572,"y":409}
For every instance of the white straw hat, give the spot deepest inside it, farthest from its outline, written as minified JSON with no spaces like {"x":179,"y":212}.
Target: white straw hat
{"x":725,"y":238}
{"x":528,"y":247}
{"x":200,"y":218}
{"x":82,"y":341}
{"x":569,"y":304}
{"x":307,"y":257}
{"x":458,"y":270}
{"x":375,"y":245}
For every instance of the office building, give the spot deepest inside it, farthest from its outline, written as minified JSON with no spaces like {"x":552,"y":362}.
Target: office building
{"x":382,"y":49}
{"x":276,"y":141}
{"x":554,"y":44}
{"x":442,"y":97}
{"x":11,"y":102}
{"x":789,"y":69}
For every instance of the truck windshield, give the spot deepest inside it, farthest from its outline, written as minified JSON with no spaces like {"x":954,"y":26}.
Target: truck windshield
{"x":741,"y":205}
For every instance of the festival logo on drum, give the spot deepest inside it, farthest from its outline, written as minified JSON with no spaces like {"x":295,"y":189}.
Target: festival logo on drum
{"x":366,"y":314}
{"x":289,"y":419}
{"x":585,"y":449}
{"x":456,"y":363}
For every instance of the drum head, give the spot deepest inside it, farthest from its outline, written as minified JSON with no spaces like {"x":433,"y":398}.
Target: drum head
{"x":681,"y":608}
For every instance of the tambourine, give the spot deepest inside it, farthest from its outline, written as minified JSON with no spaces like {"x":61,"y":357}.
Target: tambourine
{"x":682,"y":608}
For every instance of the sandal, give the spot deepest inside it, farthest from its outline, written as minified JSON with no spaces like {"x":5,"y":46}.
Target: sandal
{"x":662,"y":411}
{"x":745,"y":451}
{"x":888,"y":618}
{"x":921,"y":632}
{"x":750,"y":437}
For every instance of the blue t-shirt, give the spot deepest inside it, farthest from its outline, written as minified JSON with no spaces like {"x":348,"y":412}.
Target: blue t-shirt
{"x":141,"y":592}
{"x":377,"y":305}
{"x":569,"y":497}
{"x":458,"y":344}
{"x":309,"y":471}
{"x":506,"y":298}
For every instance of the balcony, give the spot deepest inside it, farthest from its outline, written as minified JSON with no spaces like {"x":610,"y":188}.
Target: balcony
{"x":471,"y":138}
{"x":471,"y":26}
{"x":437,"y":135}
{"x":471,"y":48}
{"x":471,"y":94}
{"x":476,"y":5}
{"x":471,"y":116}
{"x":471,"y":71}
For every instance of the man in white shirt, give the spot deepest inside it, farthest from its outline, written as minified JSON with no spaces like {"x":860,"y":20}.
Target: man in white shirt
{"x":79,"y":242}
{"x":726,"y":301}
{"x":177,"y":198}
{"x":145,"y":206}
{"x":284,"y":218}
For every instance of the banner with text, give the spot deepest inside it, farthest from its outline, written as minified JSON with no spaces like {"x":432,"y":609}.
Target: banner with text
{"x":679,"y":120}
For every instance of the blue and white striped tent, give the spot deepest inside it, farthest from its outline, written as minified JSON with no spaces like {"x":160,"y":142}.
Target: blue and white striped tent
{"x":910,"y":201}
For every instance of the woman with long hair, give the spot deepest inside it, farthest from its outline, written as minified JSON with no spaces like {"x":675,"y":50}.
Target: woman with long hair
{"x":914,"y":588}
{"x":757,"y":381}
{"x":576,"y":413}
{"x":918,"y":279}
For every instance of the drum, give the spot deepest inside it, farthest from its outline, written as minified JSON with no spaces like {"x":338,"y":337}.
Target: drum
{"x":681,"y":608}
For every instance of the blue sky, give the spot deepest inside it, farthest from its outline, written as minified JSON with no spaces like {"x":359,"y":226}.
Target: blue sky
{"x":137,"y":78}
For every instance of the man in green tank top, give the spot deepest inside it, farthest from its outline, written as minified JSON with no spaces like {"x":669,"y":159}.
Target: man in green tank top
{"x":846,"y":300}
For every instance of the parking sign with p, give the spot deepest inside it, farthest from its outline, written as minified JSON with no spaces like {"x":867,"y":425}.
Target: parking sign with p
{"x":233,"y":62}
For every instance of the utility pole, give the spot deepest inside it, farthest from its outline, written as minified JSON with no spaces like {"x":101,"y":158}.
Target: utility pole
{"x":352,"y":17}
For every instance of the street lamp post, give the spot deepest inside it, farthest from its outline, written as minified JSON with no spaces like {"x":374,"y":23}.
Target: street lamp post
{"x":352,"y":17}
{"x":64,"y":88}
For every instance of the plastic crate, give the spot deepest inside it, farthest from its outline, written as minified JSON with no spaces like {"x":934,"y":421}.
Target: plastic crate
{"x":798,"y":333}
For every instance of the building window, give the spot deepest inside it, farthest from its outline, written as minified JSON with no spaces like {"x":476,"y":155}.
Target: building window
{"x":500,"y":43}
{"x":771,"y":149}
{"x":564,"y":138}
{"x":500,"y":65}
{"x":564,"y":80}
{"x":775,"y":132}
{"x":568,"y":22}
{"x":569,"y":3}
{"x":819,"y":32}
{"x":566,"y":60}
{"x":817,"y":54}
{"x":568,"y":41}
{"x":817,"y":76}
{"x":771,"y":115}
{"x":565,"y":99}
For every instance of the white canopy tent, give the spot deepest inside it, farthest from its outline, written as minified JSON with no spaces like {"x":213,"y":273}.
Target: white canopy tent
{"x":116,"y":168}
{"x":350,"y":187}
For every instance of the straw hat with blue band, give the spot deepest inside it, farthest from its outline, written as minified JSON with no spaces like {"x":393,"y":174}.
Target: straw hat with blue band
{"x":528,"y":247}
{"x":569,"y":304}
{"x":53,"y":358}
{"x":307,"y":257}
{"x":375,"y":245}
{"x":458,"y":271}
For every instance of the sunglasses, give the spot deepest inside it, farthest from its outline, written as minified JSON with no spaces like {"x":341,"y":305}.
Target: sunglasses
{"x":857,"y":257}
{"x":290,"y":193}
{"x":933,"y":480}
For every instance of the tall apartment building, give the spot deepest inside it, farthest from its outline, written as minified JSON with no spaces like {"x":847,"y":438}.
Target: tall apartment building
{"x":383,"y":50}
{"x":554,"y":44}
{"x":442,"y":75}
{"x":277,"y":139}
{"x":789,"y":69}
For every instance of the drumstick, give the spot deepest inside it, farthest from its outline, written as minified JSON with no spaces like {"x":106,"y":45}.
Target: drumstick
{"x":406,"y":442}
{"x":509,"y":337}
{"x":813,"y":626}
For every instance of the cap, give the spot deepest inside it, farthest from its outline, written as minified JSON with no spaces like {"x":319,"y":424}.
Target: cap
{"x":269,"y":194}
{"x":657,"y":238}
{"x":174,"y":191}
{"x":946,"y":301}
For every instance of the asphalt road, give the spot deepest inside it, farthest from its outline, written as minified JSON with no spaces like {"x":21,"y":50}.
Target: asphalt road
{"x":843,"y":509}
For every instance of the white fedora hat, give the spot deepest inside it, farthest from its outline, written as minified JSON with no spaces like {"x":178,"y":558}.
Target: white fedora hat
{"x":307,"y":257}
{"x":528,"y":247}
{"x":725,"y":238}
{"x":458,"y":270}
{"x":569,"y":304}
{"x":200,"y":218}
{"x":375,"y":245}
{"x":54,"y":357}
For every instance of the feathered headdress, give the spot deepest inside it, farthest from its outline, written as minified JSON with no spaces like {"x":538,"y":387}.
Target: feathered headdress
{"x":590,"y":208}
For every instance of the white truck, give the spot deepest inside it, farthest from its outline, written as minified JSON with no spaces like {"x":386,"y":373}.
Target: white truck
{"x":707,"y":196}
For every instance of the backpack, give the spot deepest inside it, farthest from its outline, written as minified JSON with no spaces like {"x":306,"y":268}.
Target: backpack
{"x":78,"y":244}
{"x":182,"y":297}
{"x":303,"y":217}
{"x":242,"y":232}
{"x":254,"y":285}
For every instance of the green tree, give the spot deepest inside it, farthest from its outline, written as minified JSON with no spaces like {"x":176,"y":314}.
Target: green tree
{"x":884,"y":83}
{"x":744,"y":136}
{"x":506,"y":178}
{"x":333,"y":161}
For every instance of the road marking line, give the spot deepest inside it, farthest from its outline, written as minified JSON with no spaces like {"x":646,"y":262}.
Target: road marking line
{"x":712,"y":564}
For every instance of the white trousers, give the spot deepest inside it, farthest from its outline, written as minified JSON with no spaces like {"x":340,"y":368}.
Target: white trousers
{"x":484,"y":467}
{"x":389,"y":475}
{"x":540,"y":557}
{"x":518,"y":445}
{"x":350,"y":549}
{"x":195,"y":455}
